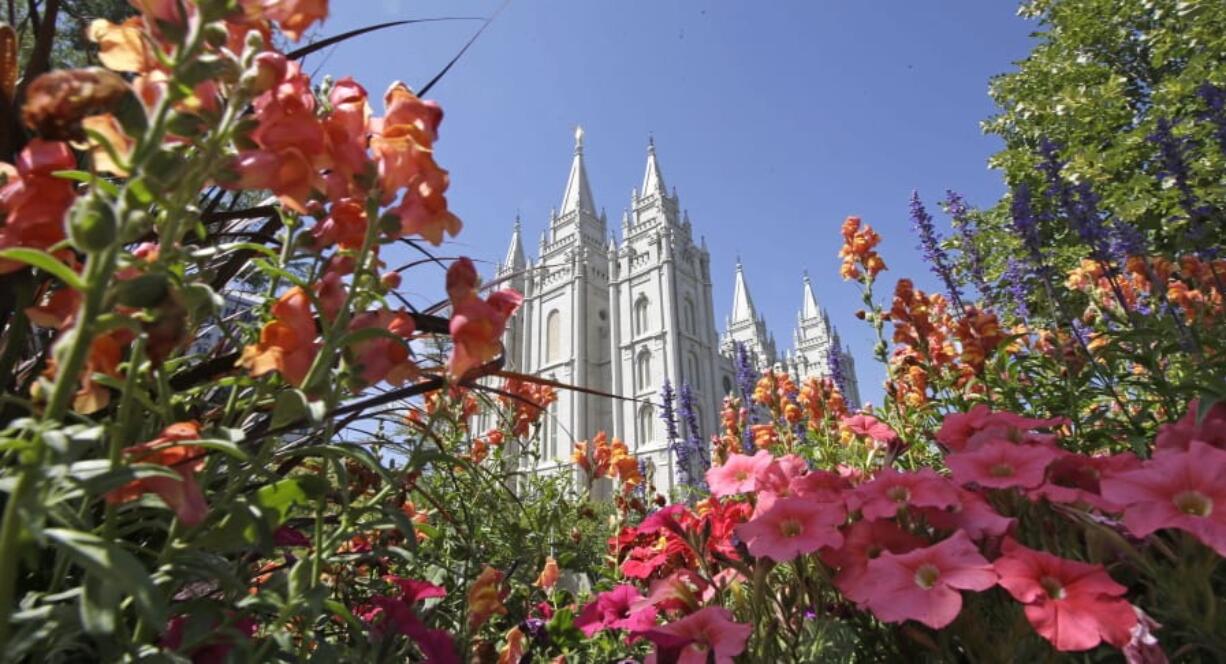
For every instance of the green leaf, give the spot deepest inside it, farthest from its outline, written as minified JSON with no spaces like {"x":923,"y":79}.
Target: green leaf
{"x":120,"y":568}
{"x":99,"y":605}
{"x":277,"y":499}
{"x":45,"y":262}
{"x":224,"y":446}
{"x":293,"y":406}
{"x":86,"y":177}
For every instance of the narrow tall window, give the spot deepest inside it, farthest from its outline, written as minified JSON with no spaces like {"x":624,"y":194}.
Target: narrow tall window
{"x":689,"y":316}
{"x":692,"y":372}
{"x":641,"y":315}
{"x":643,"y":371}
{"x":646,"y":415}
{"x":553,"y":336}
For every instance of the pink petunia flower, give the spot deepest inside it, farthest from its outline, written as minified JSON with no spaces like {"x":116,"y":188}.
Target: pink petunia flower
{"x":924,"y":584}
{"x":1002,"y":465}
{"x":1076,"y":479}
{"x":862,"y":542}
{"x":738,"y":474}
{"x":613,"y":609}
{"x":889,"y":490}
{"x":793,"y":527}
{"x":1181,"y":490}
{"x":964,"y":431}
{"x":1073,"y":605}
{"x":707,"y":635}
{"x":973,"y":515}
{"x":1178,"y":435}
{"x":863,"y":424}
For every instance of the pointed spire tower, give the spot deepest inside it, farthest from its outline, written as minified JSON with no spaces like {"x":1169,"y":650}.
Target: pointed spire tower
{"x":514,"y":261}
{"x":746,"y":326}
{"x":816,"y":340}
{"x":578,"y":216}
{"x":652,"y":205}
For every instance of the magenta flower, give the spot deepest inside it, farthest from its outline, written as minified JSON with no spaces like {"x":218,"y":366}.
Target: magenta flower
{"x":924,"y":585}
{"x":1002,"y":465}
{"x":792,"y":527}
{"x":613,"y":609}
{"x":1073,"y":605}
{"x":707,"y":635}
{"x":738,"y":474}
{"x":1181,"y":490}
{"x":889,"y":490}
{"x":1075,"y":479}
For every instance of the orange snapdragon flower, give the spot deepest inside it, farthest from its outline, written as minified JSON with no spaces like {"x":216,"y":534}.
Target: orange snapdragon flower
{"x":476,"y":324}
{"x":33,"y":202}
{"x":485,"y":598}
{"x":381,"y":358}
{"x":548,"y":578}
{"x":294,"y":16}
{"x":858,"y":251}
{"x":182,"y":495}
{"x":288,"y":342}
{"x":979,"y":334}
{"x":527,"y":409}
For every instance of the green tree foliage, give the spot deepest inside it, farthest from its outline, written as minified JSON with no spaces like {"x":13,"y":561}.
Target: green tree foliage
{"x":1102,"y":76}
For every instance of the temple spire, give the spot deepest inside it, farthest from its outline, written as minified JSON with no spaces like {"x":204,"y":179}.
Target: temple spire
{"x":515,"y":252}
{"x":653,"y":180}
{"x":742,"y":303}
{"x":808,"y":307}
{"x":578,"y":194}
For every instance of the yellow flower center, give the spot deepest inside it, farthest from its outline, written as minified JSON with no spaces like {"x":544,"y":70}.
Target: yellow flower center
{"x":790,"y":528}
{"x":1194,"y":503}
{"x":926,"y":576}
{"x":1001,"y":470}
{"x":1052,"y":587}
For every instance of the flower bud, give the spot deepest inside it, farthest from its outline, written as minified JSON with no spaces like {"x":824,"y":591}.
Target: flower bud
{"x":216,"y":35}
{"x":92,"y":225}
{"x":144,"y":291}
{"x":390,"y":280}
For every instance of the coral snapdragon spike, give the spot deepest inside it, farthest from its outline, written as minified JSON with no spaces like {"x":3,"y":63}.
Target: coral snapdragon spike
{"x":1176,"y":489}
{"x":793,"y":527}
{"x":476,"y":324}
{"x":1001,"y":464}
{"x":34,"y":200}
{"x":858,"y":251}
{"x":485,"y":597}
{"x":738,"y":474}
{"x":1073,"y":605}
{"x":288,"y":342}
{"x":924,"y":584}
{"x":182,"y":495}
{"x":709,"y":634}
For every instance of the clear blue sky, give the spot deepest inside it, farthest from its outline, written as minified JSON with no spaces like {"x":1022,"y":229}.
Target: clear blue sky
{"x":774,"y":120}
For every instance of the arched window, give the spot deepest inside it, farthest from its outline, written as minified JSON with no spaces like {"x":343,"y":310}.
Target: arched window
{"x":693,"y":373}
{"x":550,"y":432}
{"x":644,"y":429}
{"x":641,"y":315}
{"x":689,"y":315}
{"x":553,"y":336}
{"x":642,"y":373}
{"x":727,"y":385}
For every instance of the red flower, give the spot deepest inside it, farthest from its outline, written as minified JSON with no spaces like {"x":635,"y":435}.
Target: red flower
{"x":793,"y":527}
{"x":707,"y":635}
{"x":182,"y":495}
{"x":613,"y":610}
{"x":1076,"y":479}
{"x":1002,"y":465}
{"x":1074,"y":605}
{"x":1181,"y":490}
{"x":889,"y":490}
{"x":924,"y":584}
